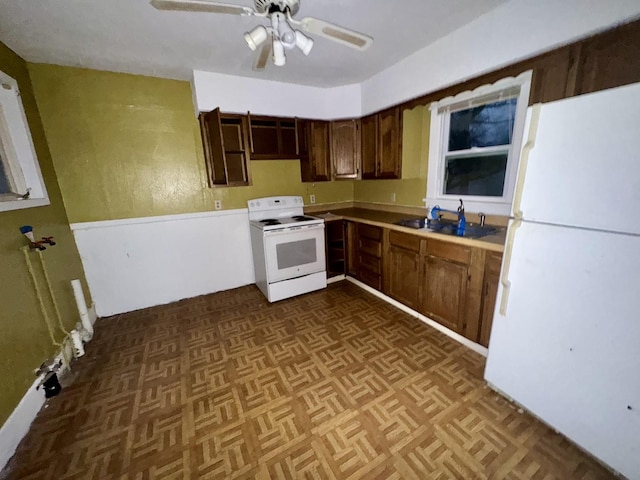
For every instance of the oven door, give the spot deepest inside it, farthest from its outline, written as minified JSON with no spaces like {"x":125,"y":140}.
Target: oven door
{"x":294,"y":251}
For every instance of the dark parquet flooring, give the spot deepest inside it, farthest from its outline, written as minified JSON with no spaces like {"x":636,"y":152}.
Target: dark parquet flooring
{"x":335,"y":384}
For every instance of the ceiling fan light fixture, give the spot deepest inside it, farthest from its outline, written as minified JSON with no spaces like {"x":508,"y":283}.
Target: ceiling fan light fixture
{"x":256,"y":37}
{"x":279,"y":58}
{"x":281,"y":35}
{"x":304,"y":43}
{"x":288,"y":39}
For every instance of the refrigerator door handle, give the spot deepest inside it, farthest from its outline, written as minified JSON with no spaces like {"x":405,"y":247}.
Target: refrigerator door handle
{"x":518,"y":214}
{"x":504,"y":279}
{"x":524,"y":160}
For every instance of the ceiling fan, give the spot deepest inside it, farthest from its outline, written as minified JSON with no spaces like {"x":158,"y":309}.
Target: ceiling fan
{"x":280,"y":35}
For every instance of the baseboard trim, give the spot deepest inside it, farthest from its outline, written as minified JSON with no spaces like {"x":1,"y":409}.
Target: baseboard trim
{"x":93,"y":316}
{"x":432,"y":323}
{"x":19,"y":422}
{"x":335,"y":279}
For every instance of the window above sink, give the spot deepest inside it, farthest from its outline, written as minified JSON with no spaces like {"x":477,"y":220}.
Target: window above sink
{"x":475,"y":143}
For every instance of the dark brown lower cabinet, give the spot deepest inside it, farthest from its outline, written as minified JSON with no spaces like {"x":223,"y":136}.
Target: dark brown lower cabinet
{"x":446,"y":278}
{"x":453,"y":284}
{"x":351,"y":231}
{"x":403,"y":276}
{"x":445,"y":292}
{"x":489,"y":295}
{"x":370,"y":255}
{"x":335,"y":248}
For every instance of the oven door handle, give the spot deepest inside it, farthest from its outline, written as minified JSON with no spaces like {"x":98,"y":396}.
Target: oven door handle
{"x":289,"y":230}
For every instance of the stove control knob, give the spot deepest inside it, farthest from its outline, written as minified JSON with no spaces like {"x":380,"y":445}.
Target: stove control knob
{"x":258,"y":204}
{"x":251,"y":204}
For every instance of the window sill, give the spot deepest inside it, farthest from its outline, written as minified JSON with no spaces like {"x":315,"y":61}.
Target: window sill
{"x":7,"y":205}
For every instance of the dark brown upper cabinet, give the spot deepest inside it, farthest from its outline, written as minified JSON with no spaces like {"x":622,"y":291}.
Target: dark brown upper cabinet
{"x":225,"y":140}
{"x":345,"y":148}
{"x":314,"y":151}
{"x":273,"y":138}
{"x":381,"y":144}
{"x":369,"y":145}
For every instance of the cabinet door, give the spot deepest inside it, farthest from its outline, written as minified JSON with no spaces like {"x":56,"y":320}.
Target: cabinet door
{"x":369,"y":146}
{"x":302,"y":138}
{"x":610,"y":59}
{"x":445,"y":292}
{"x":351,"y":231}
{"x":403,"y":277}
{"x":235,"y":133}
{"x":211,"y":131}
{"x":389,"y":138}
{"x":319,"y":151}
{"x":226,"y":146}
{"x":489,"y":295}
{"x":345,"y":148}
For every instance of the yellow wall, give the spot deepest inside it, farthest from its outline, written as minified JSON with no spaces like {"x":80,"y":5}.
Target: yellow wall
{"x":129,"y":146}
{"x":24,"y":341}
{"x":411,"y":188}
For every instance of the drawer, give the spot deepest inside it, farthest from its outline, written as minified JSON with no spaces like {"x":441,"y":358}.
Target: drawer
{"x":369,"y":231}
{"x":371,"y":247}
{"x":493,"y":263}
{"x":405,"y":240}
{"x":371,"y":263}
{"x":371,"y":279}
{"x":450,"y":251}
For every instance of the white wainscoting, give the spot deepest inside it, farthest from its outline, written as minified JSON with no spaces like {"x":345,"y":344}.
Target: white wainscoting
{"x":140,"y":262}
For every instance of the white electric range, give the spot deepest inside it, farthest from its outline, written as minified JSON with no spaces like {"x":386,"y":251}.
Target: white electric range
{"x":288,"y":247}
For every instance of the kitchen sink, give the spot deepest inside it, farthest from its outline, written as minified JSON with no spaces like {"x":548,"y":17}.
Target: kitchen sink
{"x":448,"y":227}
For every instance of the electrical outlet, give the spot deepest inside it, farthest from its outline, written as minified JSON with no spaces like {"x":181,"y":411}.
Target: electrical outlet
{"x":393,"y":197}
{"x":312,"y":198}
{"x":218,"y":204}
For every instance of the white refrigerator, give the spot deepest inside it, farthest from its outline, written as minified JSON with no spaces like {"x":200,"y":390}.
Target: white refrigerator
{"x":565,"y":341}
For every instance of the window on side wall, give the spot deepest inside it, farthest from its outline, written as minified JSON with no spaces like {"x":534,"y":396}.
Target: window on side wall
{"x":21,"y":184}
{"x":475,"y":145}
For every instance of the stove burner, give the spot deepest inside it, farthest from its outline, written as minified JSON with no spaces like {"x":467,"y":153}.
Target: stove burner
{"x":301,"y":218}
{"x":270,"y":222}
{"x":267,"y":220}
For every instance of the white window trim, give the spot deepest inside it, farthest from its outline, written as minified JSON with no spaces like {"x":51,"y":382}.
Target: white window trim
{"x":438,"y":130}
{"x":19,"y":149}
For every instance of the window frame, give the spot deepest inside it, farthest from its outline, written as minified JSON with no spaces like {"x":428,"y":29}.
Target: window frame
{"x":518,"y":87}
{"x":21,"y":160}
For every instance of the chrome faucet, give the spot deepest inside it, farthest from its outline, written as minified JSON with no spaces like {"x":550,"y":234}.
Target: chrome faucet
{"x":462,"y":221}
{"x":482,"y":218}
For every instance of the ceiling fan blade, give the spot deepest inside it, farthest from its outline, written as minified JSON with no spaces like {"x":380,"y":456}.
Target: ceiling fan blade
{"x":263,"y":55}
{"x":339,"y":34}
{"x":201,"y":6}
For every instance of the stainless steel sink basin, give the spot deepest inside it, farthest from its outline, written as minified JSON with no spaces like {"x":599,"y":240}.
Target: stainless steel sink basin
{"x":417,"y":223}
{"x":449,"y":227}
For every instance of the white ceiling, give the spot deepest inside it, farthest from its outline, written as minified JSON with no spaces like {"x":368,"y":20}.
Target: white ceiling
{"x":131,"y":36}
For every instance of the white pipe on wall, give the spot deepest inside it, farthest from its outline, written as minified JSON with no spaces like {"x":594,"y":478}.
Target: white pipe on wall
{"x":82,"y":307}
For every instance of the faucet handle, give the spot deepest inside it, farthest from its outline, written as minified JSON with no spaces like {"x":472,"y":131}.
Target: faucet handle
{"x":482,"y":218}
